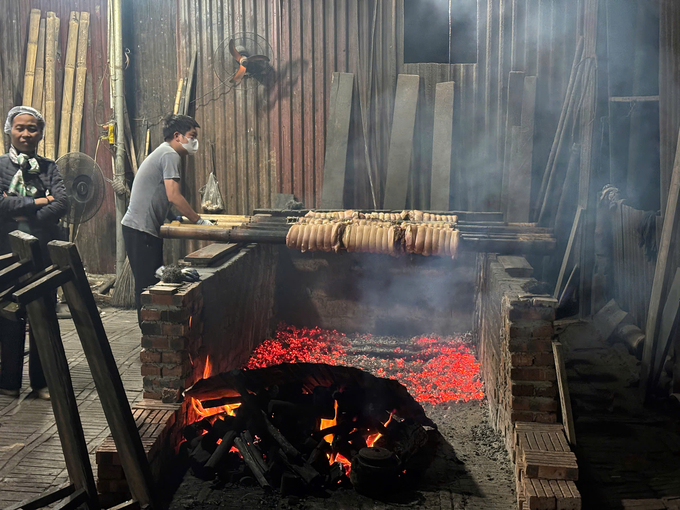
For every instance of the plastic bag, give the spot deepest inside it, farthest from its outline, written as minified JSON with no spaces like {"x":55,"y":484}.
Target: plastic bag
{"x":211,"y":198}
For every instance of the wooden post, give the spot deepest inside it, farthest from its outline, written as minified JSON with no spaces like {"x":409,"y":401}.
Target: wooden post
{"x":337,"y":139}
{"x":81,"y":75}
{"x":45,"y":326}
{"x":565,"y":399}
{"x":105,"y":373}
{"x":567,"y":253}
{"x":69,"y":76}
{"x":401,"y":141}
{"x":442,"y":146}
{"x":519,"y":177}
{"x":663,"y":266}
{"x":31,"y":54}
{"x":39,"y":78}
{"x":514,"y":118}
{"x":49,"y":111}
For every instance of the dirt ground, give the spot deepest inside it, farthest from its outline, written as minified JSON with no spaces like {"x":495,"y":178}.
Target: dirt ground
{"x":470,"y":470}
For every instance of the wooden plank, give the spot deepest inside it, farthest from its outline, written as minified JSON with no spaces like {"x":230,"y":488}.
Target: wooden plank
{"x":568,"y":252}
{"x":565,"y":399}
{"x":105,"y":374}
{"x":516,"y":266}
{"x":44,"y":499}
{"x":442,"y":146}
{"x":337,"y":139}
{"x":211,"y":254}
{"x":513,"y":118}
{"x":633,"y":99}
{"x":45,"y":327}
{"x":401,"y":142}
{"x":519,"y":177}
{"x":661,"y":272}
{"x":667,"y":329}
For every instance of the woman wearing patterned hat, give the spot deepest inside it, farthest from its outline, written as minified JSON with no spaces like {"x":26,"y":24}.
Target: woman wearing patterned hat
{"x":32,"y":199}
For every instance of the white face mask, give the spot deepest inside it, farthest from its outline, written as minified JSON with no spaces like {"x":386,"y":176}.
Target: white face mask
{"x":191,"y":146}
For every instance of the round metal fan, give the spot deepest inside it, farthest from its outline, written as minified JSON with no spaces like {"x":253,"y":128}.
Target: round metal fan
{"x":243,"y":60}
{"x":85,"y":186}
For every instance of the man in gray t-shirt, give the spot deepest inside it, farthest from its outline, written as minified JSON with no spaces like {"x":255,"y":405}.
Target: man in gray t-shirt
{"x":155,"y":188}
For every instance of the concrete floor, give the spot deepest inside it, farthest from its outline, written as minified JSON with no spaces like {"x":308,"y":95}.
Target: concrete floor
{"x":31,"y":459}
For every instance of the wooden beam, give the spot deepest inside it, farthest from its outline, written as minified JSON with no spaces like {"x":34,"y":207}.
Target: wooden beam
{"x":565,"y":399}
{"x":442,"y":145}
{"x":105,"y":374}
{"x":211,"y":254}
{"x":44,"y":499}
{"x":567,"y":253}
{"x":337,"y":140}
{"x":401,"y":141}
{"x":516,"y":266}
{"x":667,"y":330}
{"x":663,"y":266}
{"x":519,"y":177}
{"x":513,"y":118}
{"x":45,"y":326}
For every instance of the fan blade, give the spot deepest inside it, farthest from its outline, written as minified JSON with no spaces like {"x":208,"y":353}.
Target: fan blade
{"x":258,"y":59}
{"x":234,"y":52}
{"x":236,"y":79}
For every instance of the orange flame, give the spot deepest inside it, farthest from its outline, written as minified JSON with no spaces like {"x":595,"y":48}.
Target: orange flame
{"x":330,"y":423}
{"x":370,"y":440}
{"x":208,"y":368}
{"x":201,"y":413}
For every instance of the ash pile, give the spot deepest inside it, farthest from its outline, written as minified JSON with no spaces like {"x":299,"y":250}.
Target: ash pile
{"x":307,"y":428}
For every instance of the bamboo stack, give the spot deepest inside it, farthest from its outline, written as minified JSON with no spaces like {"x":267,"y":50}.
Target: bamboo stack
{"x":31,"y":54}
{"x":39,"y":78}
{"x":69,"y":77}
{"x":49,"y":111}
{"x":81,"y":74}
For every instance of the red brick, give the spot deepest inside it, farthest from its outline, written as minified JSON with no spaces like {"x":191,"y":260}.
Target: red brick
{"x":176,"y":315}
{"x":178,"y":343}
{"x":533,"y":345}
{"x":522,"y":416}
{"x":147,"y":356}
{"x":171,"y":382}
{"x":546,"y":391}
{"x":170,"y":395}
{"x":162,"y":299}
{"x":110,"y":472}
{"x":153,"y":395}
{"x":546,"y":417}
{"x":176,"y":371}
{"x":169,"y":329}
{"x":528,"y":313}
{"x":155,"y":342}
{"x":151,"y":383}
{"x":535,"y":329}
{"x":532,"y":374}
{"x":149,"y":369}
{"x":544,"y":359}
{"x":147,"y":314}
{"x":175,"y":356}
{"x":523,"y":390}
{"x":151,"y":328}
{"x":522,"y":359}
{"x":537,"y":404}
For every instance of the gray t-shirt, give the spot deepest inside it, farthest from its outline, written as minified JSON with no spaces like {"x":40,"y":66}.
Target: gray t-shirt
{"x":149,"y":203}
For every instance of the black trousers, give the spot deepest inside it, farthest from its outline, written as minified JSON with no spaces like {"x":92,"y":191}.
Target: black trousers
{"x":145,"y":253}
{"x":13,"y":339}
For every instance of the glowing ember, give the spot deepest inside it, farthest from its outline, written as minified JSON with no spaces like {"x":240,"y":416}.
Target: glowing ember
{"x":197,"y":412}
{"x":299,"y":345}
{"x":434,"y":369}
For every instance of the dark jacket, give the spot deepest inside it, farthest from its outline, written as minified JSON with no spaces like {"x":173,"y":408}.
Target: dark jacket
{"x":42,"y":221}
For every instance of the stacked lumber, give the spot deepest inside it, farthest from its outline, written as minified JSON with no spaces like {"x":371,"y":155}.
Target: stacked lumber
{"x":545,"y":468}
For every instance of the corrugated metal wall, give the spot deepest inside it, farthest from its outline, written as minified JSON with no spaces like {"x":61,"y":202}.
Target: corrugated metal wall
{"x":96,"y":239}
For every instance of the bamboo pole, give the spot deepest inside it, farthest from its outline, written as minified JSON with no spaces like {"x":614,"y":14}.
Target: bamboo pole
{"x":119,"y":115}
{"x":69,"y":77}
{"x":39,"y":78}
{"x":31,"y":54}
{"x":81,"y":75}
{"x":51,"y":36}
{"x":178,"y":96}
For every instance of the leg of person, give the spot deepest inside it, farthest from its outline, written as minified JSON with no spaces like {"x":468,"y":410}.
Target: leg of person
{"x":13,"y":339}
{"x":145,"y":253}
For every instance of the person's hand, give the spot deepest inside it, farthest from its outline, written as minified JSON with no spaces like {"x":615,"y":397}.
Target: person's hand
{"x":202,"y":221}
{"x":50,"y":199}
{"x":40,"y":202}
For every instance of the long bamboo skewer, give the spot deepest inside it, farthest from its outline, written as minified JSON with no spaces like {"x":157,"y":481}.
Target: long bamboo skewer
{"x":81,"y":75}
{"x":39,"y":78}
{"x":31,"y":53}
{"x":51,"y":35}
{"x":69,"y":78}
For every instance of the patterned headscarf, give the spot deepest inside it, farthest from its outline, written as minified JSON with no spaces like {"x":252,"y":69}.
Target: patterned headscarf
{"x":23,"y":110}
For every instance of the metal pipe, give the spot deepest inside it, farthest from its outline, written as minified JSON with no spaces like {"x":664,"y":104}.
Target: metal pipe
{"x":118,"y":82}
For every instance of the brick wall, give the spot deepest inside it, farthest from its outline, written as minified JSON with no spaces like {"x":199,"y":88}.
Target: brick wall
{"x":514,"y":331}
{"x":224,"y":316}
